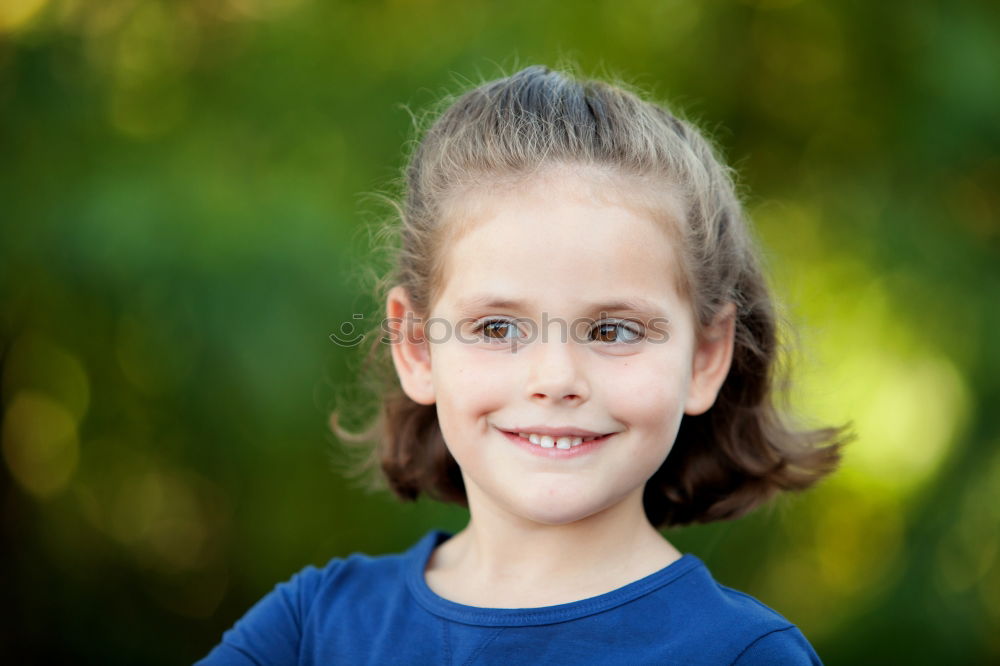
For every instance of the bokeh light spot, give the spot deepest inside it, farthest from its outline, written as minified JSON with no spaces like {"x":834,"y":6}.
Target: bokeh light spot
{"x":36,"y":364}
{"x":910,"y":417}
{"x":40,"y":443}
{"x":906,"y":400}
{"x":165,"y":518}
{"x":15,"y":14}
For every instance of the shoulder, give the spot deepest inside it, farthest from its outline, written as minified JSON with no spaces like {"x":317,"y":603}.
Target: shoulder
{"x":357,"y":578}
{"x":280,"y":625}
{"x":344,"y":582}
{"x":305,"y":589}
{"x":740,"y":628}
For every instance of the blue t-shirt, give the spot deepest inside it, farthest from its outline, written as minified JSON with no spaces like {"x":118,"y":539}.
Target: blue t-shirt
{"x":379,"y":610}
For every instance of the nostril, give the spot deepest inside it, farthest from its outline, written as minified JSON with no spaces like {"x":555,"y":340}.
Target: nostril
{"x":569,"y":396}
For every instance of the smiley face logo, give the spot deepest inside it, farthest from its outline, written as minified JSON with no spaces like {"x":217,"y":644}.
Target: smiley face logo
{"x":348,"y":335}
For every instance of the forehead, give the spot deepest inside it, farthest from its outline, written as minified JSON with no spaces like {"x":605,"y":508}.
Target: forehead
{"x":562,"y":236}
{"x":478,"y":199}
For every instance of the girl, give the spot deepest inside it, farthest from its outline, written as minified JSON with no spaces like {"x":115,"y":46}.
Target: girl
{"x":585,"y":347}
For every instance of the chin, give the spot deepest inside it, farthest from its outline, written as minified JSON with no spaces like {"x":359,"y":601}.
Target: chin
{"x":556,"y":520}
{"x":556,"y":516}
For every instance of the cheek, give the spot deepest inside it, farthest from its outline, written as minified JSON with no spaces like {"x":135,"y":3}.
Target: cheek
{"x":468,"y":384}
{"x":647,"y":394}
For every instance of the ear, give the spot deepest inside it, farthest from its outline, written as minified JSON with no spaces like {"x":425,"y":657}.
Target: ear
{"x":713,"y":355}
{"x":410,"y":349}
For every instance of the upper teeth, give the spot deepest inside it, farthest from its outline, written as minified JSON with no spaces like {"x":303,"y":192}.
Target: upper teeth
{"x":548,"y":442}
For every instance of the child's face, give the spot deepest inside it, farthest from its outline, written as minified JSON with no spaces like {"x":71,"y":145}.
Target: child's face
{"x":557,"y":252}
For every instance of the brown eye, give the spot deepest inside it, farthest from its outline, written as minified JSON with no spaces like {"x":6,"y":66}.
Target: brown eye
{"x":497,"y":329}
{"x":612,"y":332}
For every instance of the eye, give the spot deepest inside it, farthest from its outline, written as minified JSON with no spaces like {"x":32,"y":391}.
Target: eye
{"x":622,"y":332}
{"x":497,"y":330}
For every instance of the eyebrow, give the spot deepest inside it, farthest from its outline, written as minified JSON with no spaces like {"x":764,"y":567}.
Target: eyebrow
{"x":638,"y":306}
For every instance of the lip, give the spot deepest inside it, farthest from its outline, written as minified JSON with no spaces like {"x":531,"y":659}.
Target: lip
{"x":556,"y":453}
{"x":556,"y":432}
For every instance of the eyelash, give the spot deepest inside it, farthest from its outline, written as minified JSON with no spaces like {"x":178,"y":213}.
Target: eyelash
{"x":625,"y":325}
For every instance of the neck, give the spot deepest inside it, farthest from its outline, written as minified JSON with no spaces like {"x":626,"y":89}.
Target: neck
{"x":503,"y":560}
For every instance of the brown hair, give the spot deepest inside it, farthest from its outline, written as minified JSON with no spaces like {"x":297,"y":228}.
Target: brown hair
{"x":724,"y":462}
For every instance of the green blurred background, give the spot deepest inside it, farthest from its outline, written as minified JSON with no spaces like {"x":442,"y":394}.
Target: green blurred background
{"x":183,"y":219}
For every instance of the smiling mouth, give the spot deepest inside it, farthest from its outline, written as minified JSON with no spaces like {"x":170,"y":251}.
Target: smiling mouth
{"x":550,"y":442}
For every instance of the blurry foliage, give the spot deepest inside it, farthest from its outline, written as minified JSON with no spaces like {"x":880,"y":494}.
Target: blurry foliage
{"x":182,"y":227}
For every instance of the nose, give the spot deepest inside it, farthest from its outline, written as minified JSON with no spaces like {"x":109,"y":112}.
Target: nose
{"x":556,"y":375}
